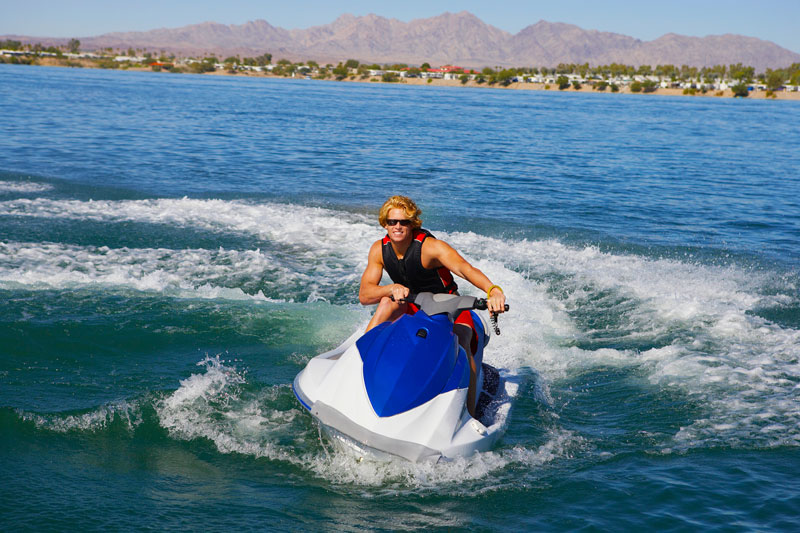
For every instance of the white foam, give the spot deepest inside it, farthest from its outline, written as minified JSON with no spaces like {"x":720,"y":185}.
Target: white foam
{"x":320,"y":249}
{"x":572,"y":308}
{"x":95,"y":420}
{"x":738,"y":366}
{"x":306,"y":230}
{"x":196,"y":273}
{"x":23,"y":187}
{"x":212,"y":405}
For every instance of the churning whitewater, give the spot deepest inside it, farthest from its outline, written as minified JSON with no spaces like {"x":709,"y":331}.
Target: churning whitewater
{"x":683,"y":326}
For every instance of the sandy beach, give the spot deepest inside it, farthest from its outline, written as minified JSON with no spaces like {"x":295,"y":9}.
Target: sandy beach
{"x":781,"y":95}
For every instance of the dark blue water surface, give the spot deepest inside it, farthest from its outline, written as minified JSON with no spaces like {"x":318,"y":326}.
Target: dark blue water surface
{"x":175,"y":248}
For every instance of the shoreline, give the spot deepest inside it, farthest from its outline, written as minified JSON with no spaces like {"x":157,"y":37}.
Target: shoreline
{"x":516,"y":86}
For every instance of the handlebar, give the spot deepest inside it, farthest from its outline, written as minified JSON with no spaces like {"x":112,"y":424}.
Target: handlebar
{"x":452,"y":308}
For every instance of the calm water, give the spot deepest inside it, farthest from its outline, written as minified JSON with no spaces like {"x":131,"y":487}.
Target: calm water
{"x":174,"y":249}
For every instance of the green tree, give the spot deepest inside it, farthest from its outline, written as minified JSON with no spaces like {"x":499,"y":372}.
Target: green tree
{"x":576,"y":85}
{"x":741,"y":73}
{"x":564,"y":68}
{"x":74,"y":45}
{"x":505,"y":77}
{"x":636,"y":87}
{"x":351,"y":63}
{"x":340,"y":71}
{"x":261,"y":61}
{"x":666,"y":71}
{"x":775,"y":79}
{"x":10,"y":45}
{"x":562,"y":82}
{"x":425,"y":66}
{"x":464,"y":79}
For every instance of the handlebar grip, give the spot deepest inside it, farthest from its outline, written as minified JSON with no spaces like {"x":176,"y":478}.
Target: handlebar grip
{"x":481,"y":304}
{"x":410,"y":298}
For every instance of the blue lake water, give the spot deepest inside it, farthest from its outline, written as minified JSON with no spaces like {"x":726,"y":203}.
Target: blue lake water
{"x":175,"y":248}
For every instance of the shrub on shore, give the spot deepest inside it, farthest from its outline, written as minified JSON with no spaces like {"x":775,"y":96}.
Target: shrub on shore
{"x":740,"y":90}
{"x":649,"y":86}
{"x":200,"y":67}
{"x":14,"y":60}
{"x":563,"y":82}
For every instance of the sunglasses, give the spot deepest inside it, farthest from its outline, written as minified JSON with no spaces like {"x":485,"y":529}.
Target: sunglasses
{"x":395,"y":221}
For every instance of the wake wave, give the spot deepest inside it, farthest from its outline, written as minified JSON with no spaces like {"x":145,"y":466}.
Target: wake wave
{"x":23,"y":187}
{"x":298,"y":227}
{"x":218,"y":405}
{"x":691,"y":328}
{"x":195,"y":273}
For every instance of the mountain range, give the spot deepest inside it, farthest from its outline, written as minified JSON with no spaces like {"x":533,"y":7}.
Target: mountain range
{"x":449,"y":38}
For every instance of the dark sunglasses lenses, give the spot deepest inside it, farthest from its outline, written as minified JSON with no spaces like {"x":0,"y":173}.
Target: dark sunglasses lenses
{"x":394,"y":221}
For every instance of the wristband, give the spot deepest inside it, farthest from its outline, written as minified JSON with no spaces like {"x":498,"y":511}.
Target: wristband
{"x":489,"y":292}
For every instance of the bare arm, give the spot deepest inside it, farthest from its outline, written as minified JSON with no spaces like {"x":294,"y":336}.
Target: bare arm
{"x":371,"y":291}
{"x":438,"y":253}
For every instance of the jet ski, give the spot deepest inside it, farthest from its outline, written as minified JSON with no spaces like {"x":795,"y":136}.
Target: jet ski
{"x":401,"y":388}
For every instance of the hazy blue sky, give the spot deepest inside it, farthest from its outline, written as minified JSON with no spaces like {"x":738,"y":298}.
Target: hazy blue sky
{"x":775,"y":20}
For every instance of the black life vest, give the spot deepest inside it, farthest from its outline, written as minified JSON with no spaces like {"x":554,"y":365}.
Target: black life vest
{"x":409,"y":270}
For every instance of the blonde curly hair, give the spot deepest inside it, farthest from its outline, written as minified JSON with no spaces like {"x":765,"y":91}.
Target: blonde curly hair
{"x":406,"y":204}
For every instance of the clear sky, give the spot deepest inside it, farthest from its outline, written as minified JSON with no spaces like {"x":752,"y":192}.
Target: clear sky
{"x":774,"y":20}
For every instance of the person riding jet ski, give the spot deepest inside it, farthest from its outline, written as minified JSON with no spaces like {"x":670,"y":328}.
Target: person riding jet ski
{"x":417,"y":262}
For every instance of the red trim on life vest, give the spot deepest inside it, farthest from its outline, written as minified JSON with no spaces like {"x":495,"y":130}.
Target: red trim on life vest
{"x":446,"y":277}
{"x":385,"y":239}
{"x":420,"y":236}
